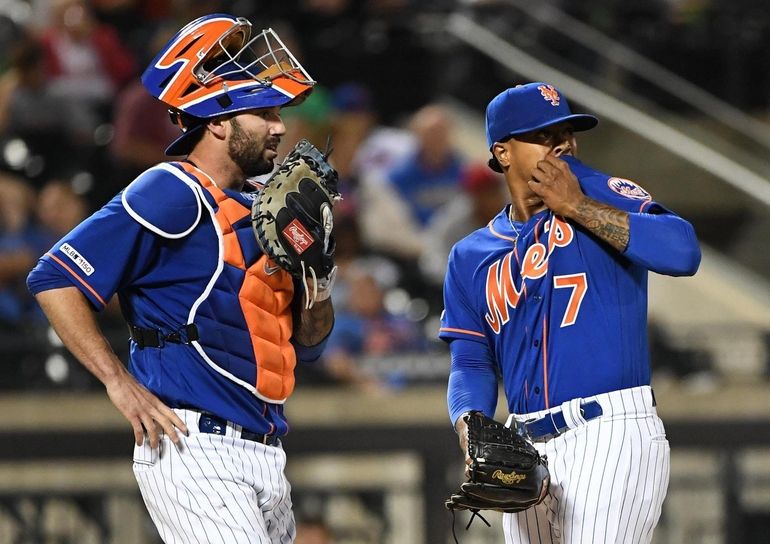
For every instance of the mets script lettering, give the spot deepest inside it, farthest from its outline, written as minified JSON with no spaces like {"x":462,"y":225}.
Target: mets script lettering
{"x":502,"y":292}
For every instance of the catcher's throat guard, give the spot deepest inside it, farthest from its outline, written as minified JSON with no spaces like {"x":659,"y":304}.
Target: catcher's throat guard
{"x":506,"y":472}
{"x":292,"y":214}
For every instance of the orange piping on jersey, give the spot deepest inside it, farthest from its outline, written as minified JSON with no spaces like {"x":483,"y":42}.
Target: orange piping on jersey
{"x":264,"y":413}
{"x":493,"y":231}
{"x":537,"y":236}
{"x":81,"y":280}
{"x":265,"y":300}
{"x":645,"y":204}
{"x":524,"y":269}
{"x":545,"y":363}
{"x":472,"y":333}
{"x":518,"y":262}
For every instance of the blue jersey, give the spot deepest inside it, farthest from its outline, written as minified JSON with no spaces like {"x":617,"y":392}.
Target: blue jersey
{"x":560,"y":313}
{"x":177,"y":250}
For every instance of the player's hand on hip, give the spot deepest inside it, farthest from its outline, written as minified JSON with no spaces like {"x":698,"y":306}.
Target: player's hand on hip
{"x":554,"y":182}
{"x":143,"y":410}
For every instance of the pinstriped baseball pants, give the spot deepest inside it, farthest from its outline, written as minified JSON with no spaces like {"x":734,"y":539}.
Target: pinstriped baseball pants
{"x":609,"y":476}
{"x":215,"y":489}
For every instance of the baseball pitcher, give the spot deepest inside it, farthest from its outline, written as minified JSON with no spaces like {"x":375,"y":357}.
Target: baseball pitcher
{"x":551,"y":296}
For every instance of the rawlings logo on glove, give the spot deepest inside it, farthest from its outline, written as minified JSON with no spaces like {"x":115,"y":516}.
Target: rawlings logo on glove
{"x":293,"y":222}
{"x":508,"y":479}
{"x":297,"y":236}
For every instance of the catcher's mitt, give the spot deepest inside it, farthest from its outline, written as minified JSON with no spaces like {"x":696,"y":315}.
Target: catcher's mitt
{"x":506,"y":472}
{"x":292,"y":215}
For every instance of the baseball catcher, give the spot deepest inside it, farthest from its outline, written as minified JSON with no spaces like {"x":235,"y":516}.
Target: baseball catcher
{"x":292,"y":219}
{"x":505,"y":472}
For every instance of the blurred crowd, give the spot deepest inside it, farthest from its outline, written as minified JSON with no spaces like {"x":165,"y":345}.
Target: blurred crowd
{"x":76,"y":126}
{"x":719,"y":45}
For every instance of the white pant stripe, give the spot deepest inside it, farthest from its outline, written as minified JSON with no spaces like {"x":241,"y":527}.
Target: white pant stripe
{"x":608,"y":476}
{"x":588,"y":479}
{"x":176,"y":522}
{"x":222,"y":455}
{"x":158,"y":490}
{"x":193,"y":520}
{"x":216,"y":489}
{"x":188,"y":483}
{"x":641,"y":485}
{"x":652,"y":474}
{"x":208,"y":475}
{"x":617,"y":479}
{"x":594,"y":479}
{"x":632,"y":481}
{"x":251,"y":479}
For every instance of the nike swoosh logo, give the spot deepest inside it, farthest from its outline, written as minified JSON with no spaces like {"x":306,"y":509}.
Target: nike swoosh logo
{"x":270,"y":270}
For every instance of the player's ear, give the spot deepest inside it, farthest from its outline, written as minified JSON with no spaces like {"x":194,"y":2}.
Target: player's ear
{"x":217,"y":127}
{"x":500,"y":151}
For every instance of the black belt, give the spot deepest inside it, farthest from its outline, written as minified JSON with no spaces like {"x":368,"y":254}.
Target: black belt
{"x":553,"y":423}
{"x":209,"y":423}
{"x":153,"y":338}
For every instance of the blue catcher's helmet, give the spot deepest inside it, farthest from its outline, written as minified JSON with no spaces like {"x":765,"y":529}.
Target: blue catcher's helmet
{"x":214,"y":66}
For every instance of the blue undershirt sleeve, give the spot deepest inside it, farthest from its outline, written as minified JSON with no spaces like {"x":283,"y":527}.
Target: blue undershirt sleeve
{"x":663,"y":243}
{"x":472,"y":379}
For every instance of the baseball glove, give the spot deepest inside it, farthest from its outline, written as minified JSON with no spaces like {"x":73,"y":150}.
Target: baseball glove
{"x":506,"y":472}
{"x":292,"y":214}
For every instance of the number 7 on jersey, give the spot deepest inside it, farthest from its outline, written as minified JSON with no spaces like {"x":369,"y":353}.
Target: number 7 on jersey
{"x":579,"y":285}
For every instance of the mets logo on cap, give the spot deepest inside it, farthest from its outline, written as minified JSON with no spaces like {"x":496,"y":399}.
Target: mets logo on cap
{"x":550,"y":94}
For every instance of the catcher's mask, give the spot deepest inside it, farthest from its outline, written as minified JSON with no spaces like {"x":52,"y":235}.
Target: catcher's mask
{"x":213,"y":66}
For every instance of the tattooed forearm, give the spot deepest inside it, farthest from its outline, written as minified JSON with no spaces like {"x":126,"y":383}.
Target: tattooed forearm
{"x":313,"y":325}
{"x":608,"y":223}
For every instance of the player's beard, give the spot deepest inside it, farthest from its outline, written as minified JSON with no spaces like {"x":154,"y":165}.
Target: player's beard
{"x":248,"y":153}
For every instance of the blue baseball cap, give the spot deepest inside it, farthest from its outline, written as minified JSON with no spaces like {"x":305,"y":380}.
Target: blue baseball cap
{"x":529,"y":107}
